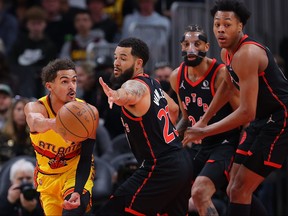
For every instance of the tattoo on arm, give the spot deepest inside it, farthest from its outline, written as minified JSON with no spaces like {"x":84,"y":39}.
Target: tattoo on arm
{"x":134,"y":90}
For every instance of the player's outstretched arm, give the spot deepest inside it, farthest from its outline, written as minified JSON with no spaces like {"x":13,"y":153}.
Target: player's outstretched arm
{"x":37,"y":119}
{"x":130,"y":93}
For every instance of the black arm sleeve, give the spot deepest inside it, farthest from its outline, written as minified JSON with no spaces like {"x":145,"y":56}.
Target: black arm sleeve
{"x":84,"y":165}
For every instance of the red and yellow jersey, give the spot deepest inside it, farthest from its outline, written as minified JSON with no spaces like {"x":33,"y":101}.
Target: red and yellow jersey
{"x":54,"y":154}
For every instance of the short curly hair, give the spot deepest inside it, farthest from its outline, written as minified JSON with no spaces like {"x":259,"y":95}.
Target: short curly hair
{"x":235,"y":6}
{"x":49,"y":72}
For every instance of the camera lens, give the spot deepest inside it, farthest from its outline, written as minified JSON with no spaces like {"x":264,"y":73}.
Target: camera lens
{"x":28,"y":191}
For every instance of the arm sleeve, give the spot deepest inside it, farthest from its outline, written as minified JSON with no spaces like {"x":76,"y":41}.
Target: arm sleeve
{"x":84,"y":165}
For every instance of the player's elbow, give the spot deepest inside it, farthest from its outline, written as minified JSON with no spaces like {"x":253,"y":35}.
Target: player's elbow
{"x":247,"y":115}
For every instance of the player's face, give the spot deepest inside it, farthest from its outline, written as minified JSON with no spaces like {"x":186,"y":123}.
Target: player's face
{"x":193,"y":48}
{"x":227,"y":29}
{"x":64,"y":86}
{"x":124,"y":65}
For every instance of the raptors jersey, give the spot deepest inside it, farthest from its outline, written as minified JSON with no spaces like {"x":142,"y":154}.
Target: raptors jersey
{"x":273,"y":85}
{"x":54,"y":155}
{"x":152,"y":134}
{"x":196,"y":97}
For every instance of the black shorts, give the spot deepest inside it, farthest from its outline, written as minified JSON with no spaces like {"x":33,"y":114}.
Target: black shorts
{"x":264,"y":145}
{"x":214,"y":163}
{"x":154,"y":189}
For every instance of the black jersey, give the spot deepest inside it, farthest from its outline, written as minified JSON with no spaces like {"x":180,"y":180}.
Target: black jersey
{"x":196,"y":97}
{"x":152,"y":134}
{"x":273,"y":85}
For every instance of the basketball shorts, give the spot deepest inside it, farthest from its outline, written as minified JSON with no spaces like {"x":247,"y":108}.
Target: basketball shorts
{"x":162,"y":188}
{"x":54,"y":188}
{"x":214,"y":163}
{"x":264,"y":145}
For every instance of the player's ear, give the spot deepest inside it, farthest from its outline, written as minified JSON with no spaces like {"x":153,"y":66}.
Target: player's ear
{"x":48,"y":86}
{"x":240,"y":27}
{"x":139,"y":63}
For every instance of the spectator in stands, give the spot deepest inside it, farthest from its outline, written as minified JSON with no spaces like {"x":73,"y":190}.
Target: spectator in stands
{"x":76,"y":48}
{"x":34,"y":48}
{"x":86,"y":81}
{"x":162,"y":72}
{"x":145,"y":14}
{"x":6,"y":99}
{"x":164,"y":6}
{"x":15,"y":203}
{"x":31,"y":52}
{"x":104,"y":68}
{"x":14,"y":136}
{"x":18,"y":9}
{"x":119,"y":9}
{"x":8,"y":27}
{"x":6,"y":76}
{"x":57,"y":28}
{"x":101,"y":20}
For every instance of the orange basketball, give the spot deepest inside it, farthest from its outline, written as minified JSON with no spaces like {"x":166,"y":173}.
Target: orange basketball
{"x":75,"y":121}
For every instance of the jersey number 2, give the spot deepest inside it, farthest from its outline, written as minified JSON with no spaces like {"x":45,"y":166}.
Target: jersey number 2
{"x":163,"y":113}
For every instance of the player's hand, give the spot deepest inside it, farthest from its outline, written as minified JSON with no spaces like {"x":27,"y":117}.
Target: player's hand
{"x":111,"y":94}
{"x":193,"y":135}
{"x":73,"y":202}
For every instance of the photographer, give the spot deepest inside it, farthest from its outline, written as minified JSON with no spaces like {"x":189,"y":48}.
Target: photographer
{"x":21,"y":198}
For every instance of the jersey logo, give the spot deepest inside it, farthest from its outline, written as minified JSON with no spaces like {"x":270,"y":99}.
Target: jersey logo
{"x":157,"y":96}
{"x":182,"y":85}
{"x":205,"y":85}
{"x":270,"y":120}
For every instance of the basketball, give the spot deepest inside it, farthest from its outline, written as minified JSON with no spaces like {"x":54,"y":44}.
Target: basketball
{"x":75,"y":121}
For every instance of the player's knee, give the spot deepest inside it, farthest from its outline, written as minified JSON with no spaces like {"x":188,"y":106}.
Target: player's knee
{"x":199,"y":193}
{"x":202,"y":190}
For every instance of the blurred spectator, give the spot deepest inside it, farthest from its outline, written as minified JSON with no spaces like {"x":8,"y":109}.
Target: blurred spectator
{"x":31,"y":52}
{"x":145,"y":14}
{"x":86,"y":81}
{"x":119,"y":9}
{"x":6,"y":99}
{"x":34,"y":48}
{"x":77,"y":3}
{"x":8,"y":28}
{"x":112,"y":121}
{"x":18,"y":9}
{"x":68,"y":12}
{"x":162,"y":72}
{"x":19,"y":201}
{"x":89,"y":87}
{"x":6,"y":77}
{"x":101,"y":20}
{"x":76,"y":48}
{"x":164,"y":6}
{"x":14,"y":136}
{"x":58,"y":30}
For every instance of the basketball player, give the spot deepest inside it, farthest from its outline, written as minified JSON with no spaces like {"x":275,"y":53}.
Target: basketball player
{"x":196,"y":81}
{"x":64,"y":175}
{"x":162,"y":182}
{"x":263,"y":102}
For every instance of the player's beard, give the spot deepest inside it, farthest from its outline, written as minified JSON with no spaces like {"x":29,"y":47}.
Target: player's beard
{"x":125,"y":75}
{"x":199,"y":58}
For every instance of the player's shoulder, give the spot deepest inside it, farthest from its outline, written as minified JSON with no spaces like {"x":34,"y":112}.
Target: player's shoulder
{"x":249,"y":50}
{"x":35,"y":106}
{"x":174,"y":73}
